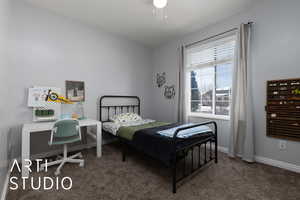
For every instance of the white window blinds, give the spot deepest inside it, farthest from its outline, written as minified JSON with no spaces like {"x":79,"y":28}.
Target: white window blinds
{"x":211,"y":54}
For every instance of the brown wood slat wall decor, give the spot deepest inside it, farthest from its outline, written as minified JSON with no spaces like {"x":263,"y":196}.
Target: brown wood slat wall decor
{"x":283,"y":109}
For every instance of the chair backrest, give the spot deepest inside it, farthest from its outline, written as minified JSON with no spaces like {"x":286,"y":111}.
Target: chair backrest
{"x":65,"y":131}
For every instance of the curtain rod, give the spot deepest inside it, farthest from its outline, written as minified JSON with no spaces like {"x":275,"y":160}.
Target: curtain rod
{"x":211,"y":37}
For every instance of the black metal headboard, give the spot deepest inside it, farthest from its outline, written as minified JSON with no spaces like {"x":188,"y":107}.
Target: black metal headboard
{"x":118,"y":108}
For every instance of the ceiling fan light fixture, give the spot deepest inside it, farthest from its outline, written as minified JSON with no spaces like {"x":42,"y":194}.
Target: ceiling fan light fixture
{"x":160,"y":3}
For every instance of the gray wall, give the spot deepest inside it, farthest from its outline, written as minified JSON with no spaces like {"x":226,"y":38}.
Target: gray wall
{"x":276,"y":47}
{"x":48,"y":49}
{"x":4,"y":13}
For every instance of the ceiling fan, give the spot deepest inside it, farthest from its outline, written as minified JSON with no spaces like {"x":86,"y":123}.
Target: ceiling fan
{"x":160,"y":4}
{"x":159,"y":9}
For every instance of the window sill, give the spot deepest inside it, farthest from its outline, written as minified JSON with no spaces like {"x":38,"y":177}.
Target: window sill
{"x":219,"y":117}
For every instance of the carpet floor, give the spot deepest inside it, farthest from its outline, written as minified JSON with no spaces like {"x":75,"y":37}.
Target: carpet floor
{"x":139,"y":178}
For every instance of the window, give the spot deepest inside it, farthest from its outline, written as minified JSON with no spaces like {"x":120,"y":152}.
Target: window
{"x":209,"y":78}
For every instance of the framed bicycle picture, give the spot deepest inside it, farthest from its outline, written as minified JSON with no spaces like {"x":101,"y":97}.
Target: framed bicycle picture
{"x":75,"y":91}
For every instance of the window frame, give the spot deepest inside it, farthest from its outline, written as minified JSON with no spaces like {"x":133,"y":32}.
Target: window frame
{"x":188,"y":86}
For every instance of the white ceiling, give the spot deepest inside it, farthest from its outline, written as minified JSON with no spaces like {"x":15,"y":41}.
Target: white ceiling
{"x":134,"y":19}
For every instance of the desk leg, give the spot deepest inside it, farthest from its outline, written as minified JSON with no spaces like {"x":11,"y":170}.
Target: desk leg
{"x":99,"y":140}
{"x":25,"y":151}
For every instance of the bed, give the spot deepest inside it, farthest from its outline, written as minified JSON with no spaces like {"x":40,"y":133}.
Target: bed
{"x":184,"y":148}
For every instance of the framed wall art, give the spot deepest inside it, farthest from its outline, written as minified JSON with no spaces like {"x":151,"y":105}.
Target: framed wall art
{"x":75,"y":91}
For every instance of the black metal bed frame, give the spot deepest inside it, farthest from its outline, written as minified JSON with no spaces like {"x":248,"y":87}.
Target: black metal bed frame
{"x":121,"y":107}
{"x":179,"y":154}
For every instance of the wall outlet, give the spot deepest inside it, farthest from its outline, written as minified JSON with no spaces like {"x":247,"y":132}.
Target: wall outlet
{"x":282,"y":145}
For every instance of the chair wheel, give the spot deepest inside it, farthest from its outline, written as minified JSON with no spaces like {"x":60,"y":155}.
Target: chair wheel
{"x":56,"y":173}
{"x":81,"y":164}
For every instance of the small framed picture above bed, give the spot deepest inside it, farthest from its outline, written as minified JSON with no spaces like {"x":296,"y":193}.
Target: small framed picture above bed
{"x":75,"y":91}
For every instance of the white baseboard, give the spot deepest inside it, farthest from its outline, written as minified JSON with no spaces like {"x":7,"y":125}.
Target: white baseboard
{"x":269,"y":161}
{"x":223,"y":149}
{"x":6,"y":183}
{"x":277,"y":163}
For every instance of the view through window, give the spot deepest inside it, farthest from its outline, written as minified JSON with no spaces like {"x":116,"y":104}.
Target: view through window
{"x":209,"y":70}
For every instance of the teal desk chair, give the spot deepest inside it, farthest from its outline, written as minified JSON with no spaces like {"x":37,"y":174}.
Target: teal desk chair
{"x":64,"y":132}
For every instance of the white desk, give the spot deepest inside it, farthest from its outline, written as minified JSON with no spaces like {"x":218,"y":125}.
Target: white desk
{"x":46,"y":126}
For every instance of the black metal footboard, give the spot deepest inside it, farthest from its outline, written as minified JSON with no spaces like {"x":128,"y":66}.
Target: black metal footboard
{"x":198,"y":153}
{"x":188,"y":159}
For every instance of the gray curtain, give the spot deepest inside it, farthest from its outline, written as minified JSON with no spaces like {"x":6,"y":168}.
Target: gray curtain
{"x":182,"y":116}
{"x":241,"y":127}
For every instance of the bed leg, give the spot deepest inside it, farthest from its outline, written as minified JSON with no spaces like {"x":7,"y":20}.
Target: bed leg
{"x":123,"y":145}
{"x":123,"y":154}
{"x":174,"y":180}
{"x":216,"y":151}
{"x":174,"y":175}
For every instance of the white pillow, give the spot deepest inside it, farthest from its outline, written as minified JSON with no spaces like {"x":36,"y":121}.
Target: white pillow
{"x":111,"y":127}
{"x":125,"y":117}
